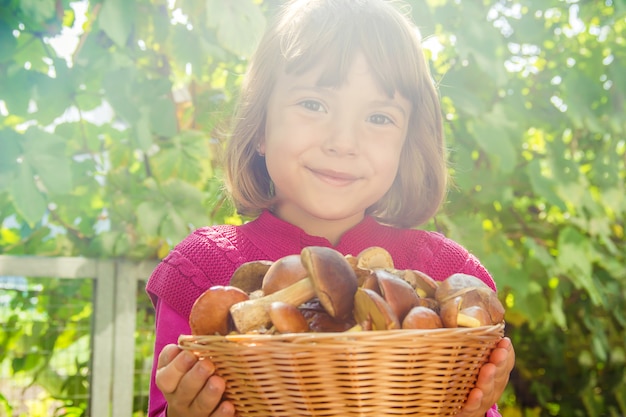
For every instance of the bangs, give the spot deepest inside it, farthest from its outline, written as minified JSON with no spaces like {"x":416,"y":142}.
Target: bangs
{"x":341,"y":34}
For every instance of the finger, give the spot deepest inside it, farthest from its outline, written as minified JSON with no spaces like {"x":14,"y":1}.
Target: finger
{"x":169,"y":377}
{"x":210,"y":396}
{"x":472,"y":404}
{"x":503,"y":357}
{"x":485,"y":377}
{"x":168,"y":353}
{"x":192,"y":384}
{"x":225,"y":409}
{"x":486,"y":384}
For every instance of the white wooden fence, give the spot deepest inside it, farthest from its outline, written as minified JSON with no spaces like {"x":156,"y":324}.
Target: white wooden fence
{"x":115,"y":309}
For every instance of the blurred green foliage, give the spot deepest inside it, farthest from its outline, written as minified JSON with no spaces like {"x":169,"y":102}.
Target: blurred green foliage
{"x":109,"y":148}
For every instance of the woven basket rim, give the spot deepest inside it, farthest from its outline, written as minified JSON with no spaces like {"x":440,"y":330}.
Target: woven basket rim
{"x":313,"y":337}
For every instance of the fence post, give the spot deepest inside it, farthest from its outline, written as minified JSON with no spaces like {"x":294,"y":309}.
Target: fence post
{"x":103,"y":339}
{"x":124,"y":336}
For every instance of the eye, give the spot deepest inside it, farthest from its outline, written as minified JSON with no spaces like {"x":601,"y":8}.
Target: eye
{"x":312,"y":105}
{"x":380,"y":119}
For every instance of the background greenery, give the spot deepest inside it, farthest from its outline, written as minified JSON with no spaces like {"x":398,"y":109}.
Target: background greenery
{"x":108,"y":149}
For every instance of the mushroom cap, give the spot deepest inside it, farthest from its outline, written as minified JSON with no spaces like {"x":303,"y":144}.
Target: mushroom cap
{"x":398,"y":293}
{"x":287,"y":318}
{"x":249,"y":275}
{"x":471,"y":291}
{"x":332,"y":277}
{"x":371,"y":310}
{"x":210,"y":313}
{"x":374,"y":257}
{"x":424,"y":284}
{"x":320,"y":321}
{"x":449,"y":311}
{"x":421,"y":317}
{"x":282,"y":273}
{"x":456,"y":284}
{"x":473,"y":316}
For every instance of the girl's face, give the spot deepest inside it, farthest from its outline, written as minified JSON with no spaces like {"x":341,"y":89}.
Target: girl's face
{"x":332,"y":152}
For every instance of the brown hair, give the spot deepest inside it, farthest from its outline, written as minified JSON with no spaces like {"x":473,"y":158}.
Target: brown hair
{"x":308,"y":32}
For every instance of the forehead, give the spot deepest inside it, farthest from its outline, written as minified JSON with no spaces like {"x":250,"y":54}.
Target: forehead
{"x":326,"y":75}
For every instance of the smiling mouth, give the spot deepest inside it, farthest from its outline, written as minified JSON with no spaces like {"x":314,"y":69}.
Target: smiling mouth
{"x":334,"y":177}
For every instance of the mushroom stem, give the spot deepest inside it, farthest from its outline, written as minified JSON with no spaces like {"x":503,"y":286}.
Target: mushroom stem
{"x":252,"y":314}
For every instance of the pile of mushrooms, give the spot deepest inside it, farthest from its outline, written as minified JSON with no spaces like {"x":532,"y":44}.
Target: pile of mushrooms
{"x":320,"y":290}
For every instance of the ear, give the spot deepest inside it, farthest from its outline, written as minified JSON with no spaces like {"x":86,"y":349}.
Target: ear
{"x":260,"y":147}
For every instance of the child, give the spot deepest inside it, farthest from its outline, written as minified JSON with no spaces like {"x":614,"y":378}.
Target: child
{"x":338,"y":142}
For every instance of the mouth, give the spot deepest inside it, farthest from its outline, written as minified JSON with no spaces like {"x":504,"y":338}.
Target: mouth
{"x":334,"y":177}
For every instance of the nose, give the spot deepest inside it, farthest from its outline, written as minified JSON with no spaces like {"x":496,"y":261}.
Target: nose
{"x":342,"y":139}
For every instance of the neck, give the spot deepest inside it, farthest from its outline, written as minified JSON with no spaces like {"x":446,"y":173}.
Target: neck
{"x":330,"y":229}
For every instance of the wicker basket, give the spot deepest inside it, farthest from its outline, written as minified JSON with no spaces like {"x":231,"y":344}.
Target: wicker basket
{"x":373,"y":373}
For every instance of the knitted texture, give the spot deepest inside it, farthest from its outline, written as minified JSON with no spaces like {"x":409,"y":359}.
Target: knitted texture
{"x":210,"y":255}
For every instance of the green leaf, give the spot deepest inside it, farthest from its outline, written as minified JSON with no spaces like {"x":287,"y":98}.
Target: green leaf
{"x":150,"y":215}
{"x":493,"y":136}
{"x":239,"y":24}
{"x":117,"y":19}
{"x":53,"y":96}
{"x":117,"y":86}
{"x":8,"y":43}
{"x":38,"y":10}
{"x":184,"y":158}
{"x":45,"y":153}
{"x":575,"y":256}
{"x":16,"y":91}
{"x":542,"y":185}
{"x":9,"y":154}
{"x":142,"y":130}
{"x":163,"y":117}
{"x":27,"y":198}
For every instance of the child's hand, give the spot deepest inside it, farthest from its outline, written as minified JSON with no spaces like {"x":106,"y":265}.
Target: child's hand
{"x":189,"y":386}
{"x":492,"y":379}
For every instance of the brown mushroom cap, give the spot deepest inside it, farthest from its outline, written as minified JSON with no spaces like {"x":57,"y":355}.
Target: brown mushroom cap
{"x":424,"y":284}
{"x":457,"y":284}
{"x":421,"y":317}
{"x":473,"y":316}
{"x":320,"y":321}
{"x":249,"y":276}
{"x":467,"y":291}
{"x":449,"y":311}
{"x":371,"y":310}
{"x":286,"y":318}
{"x":374,"y":257}
{"x":400,"y":296}
{"x":210,"y":312}
{"x":333,"y":278}
{"x":283,"y":272}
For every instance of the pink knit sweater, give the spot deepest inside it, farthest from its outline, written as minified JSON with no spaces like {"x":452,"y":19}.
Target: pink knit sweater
{"x":210,"y":255}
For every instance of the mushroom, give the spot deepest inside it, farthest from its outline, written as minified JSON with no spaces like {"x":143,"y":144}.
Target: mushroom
{"x":210,"y":312}
{"x":421,"y":317}
{"x":284,"y":272}
{"x":320,"y":321}
{"x":460,"y":291}
{"x":330,"y":278}
{"x":249,"y":275}
{"x":473,"y":316}
{"x":374,"y":257}
{"x":424,"y":284}
{"x":286,"y":318}
{"x":400,"y":296}
{"x":371,"y":310}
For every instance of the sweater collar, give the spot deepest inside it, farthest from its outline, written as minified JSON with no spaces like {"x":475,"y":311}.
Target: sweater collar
{"x":290,"y":238}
